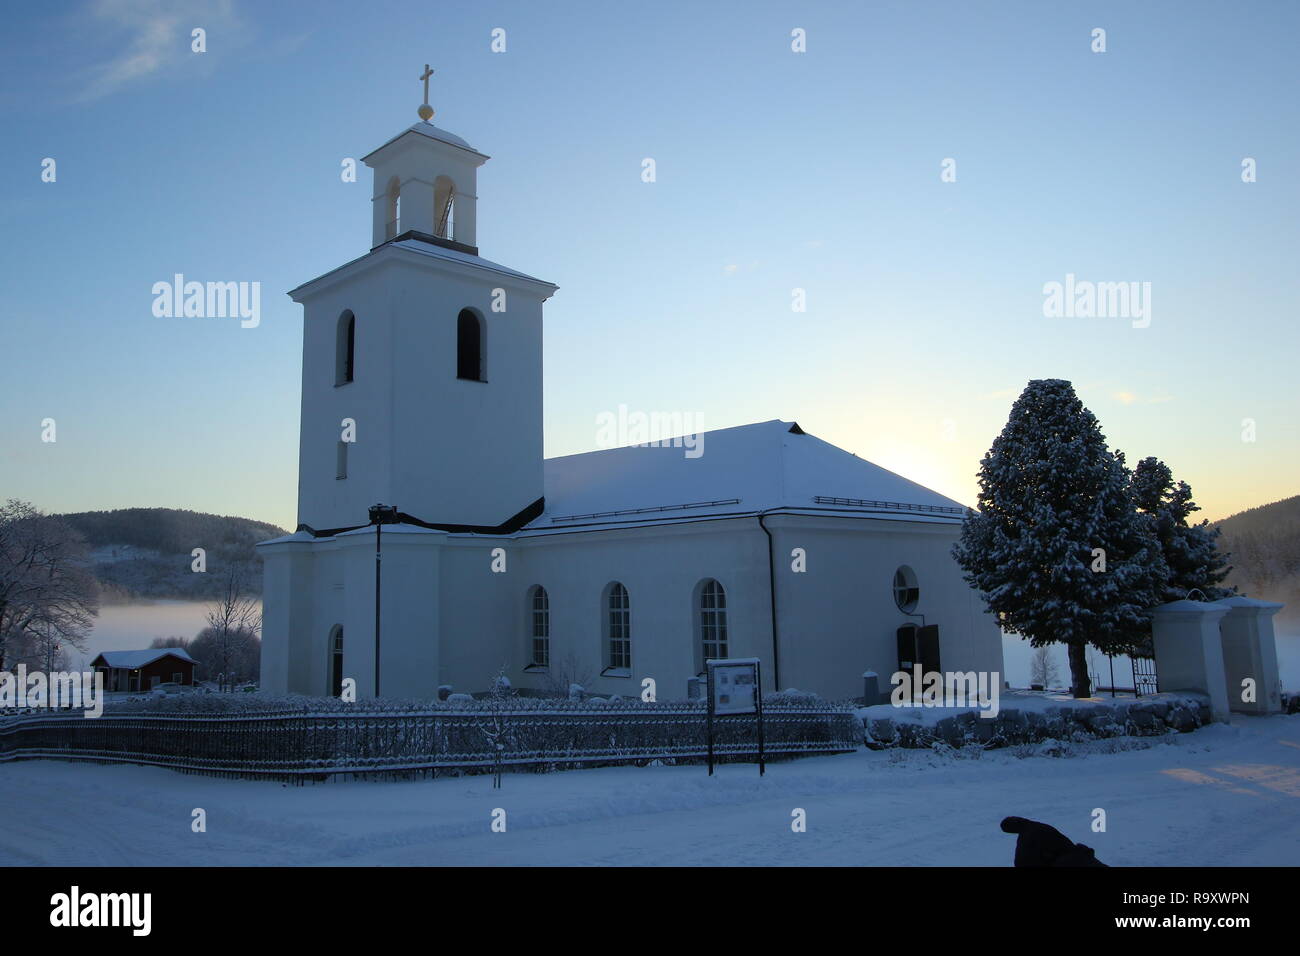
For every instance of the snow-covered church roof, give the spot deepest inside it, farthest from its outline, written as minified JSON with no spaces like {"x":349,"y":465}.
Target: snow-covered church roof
{"x":745,"y":470}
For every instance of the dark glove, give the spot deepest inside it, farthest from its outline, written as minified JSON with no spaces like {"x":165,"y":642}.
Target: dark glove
{"x":1038,"y":844}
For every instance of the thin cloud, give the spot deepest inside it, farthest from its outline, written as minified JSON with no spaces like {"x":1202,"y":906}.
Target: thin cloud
{"x":149,"y":36}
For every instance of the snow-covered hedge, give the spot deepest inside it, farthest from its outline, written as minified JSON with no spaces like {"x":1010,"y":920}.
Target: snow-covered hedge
{"x":1029,"y":720}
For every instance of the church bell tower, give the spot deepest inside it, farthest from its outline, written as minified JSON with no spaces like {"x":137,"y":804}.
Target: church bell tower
{"x":422,"y":361}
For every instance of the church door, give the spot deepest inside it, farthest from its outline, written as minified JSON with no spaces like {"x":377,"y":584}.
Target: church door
{"x":918,"y":645}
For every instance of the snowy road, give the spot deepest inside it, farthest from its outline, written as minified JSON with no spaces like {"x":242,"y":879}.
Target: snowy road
{"x":1225,"y":796}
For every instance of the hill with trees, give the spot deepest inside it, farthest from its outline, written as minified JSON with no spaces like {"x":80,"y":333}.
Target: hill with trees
{"x":149,"y":552}
{"x":1264,"y":548}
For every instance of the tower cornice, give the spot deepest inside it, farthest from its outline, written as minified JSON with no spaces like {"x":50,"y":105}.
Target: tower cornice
{"x":423,"y":255}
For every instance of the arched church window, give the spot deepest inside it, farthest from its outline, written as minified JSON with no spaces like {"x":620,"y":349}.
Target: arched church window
{"x":618,"y":633}
{"x":906,"y":591}
{"x":469,"y":346}
{"x":539,"y":627}
{"x":345,"y":348}
{"x":336,"y":661}
{"x":712,"y":605}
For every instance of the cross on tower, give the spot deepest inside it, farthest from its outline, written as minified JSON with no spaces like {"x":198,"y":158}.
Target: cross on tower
{"x":426,"y":111}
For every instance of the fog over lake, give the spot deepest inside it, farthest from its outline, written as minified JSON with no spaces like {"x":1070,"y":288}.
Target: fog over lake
{"x":127,"y":627}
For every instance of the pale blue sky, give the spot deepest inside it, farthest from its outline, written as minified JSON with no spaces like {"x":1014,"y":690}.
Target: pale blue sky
{"x":776,"y":170}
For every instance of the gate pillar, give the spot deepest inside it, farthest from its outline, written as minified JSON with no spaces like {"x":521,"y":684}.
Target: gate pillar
{"x":1189,"y":650}
{"x":1249,"y":652}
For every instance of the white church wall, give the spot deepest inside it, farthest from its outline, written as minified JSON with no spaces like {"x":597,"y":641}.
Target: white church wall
{"x":477,"y":613}
{"x":419,"y":429}
{"x":839,"y":618}
{"x":410,"y":626}
{"x":661,"y":568}
{"x":328,"y":611}
{"x":287,"y":605}
{"x":449,"y":618}
{"x":324,"y":501}
{"x":470,"y":452}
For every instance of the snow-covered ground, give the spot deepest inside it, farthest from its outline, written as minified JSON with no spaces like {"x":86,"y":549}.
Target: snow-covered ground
{"x":1222,"y":796}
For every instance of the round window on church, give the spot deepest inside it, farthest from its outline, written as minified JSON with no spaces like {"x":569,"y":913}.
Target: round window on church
{"x":906,"y":593}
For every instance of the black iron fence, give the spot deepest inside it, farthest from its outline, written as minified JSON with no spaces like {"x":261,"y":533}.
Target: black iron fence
{"x":304,"y":743}
{"x":1144,"y":676}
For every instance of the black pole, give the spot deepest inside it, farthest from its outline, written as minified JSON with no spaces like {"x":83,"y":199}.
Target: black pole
{"x":771,"y":590}
{"x":758,"y":689}
{"x":379,"y":516}
{"x":709,"y":705}
{"x":379,"y":530}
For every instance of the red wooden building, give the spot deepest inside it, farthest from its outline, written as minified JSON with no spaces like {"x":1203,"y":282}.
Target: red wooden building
{"x":144,"y":670}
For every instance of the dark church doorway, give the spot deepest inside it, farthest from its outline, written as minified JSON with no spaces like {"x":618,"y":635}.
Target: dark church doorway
{"x":918,"y":645}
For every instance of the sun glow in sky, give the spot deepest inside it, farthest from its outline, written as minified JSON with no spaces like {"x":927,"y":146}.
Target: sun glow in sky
{"x":776,"y":171}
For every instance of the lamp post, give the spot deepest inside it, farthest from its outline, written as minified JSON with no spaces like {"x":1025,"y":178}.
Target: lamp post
{"x":380,"y":515}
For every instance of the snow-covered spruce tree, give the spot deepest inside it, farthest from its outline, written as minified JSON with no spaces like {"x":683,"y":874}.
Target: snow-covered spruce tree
{"x":1191,"y":551}
{"x":1057,"y":549}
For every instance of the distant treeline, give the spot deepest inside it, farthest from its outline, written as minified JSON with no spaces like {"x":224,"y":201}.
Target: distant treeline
{"x":1264,"y":543}
{"x":148,"y":552}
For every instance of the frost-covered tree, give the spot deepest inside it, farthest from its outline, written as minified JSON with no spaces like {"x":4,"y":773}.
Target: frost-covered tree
{"x":172,"y":641}
{"x":230,"y":658}
{"x":234,"y":619}
{"x":48,"y":594}
{"x":1042,"y":668}
{"x":1056,"y":548}
{"x":1191,"y":551}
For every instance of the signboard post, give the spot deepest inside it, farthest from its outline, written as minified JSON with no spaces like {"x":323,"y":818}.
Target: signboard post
{"x":735,"y":688}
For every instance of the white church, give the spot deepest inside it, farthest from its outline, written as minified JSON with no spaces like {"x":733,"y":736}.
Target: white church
{"x":422,"y":392}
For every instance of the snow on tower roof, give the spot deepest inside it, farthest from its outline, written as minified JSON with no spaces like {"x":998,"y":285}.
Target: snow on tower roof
{"x":741,"y":471}
{"x":406,"y":246}
{"x":455,"y":255}
{"x":432,"y":132}
{"x":137,"y":659}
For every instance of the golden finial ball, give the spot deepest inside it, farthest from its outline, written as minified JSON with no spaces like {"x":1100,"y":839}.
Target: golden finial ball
{"x":426,"y":112}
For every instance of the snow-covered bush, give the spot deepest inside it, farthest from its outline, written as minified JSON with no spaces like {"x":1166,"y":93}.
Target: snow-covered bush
{"x":1029,"y":721}
{"x":791,"y":696}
